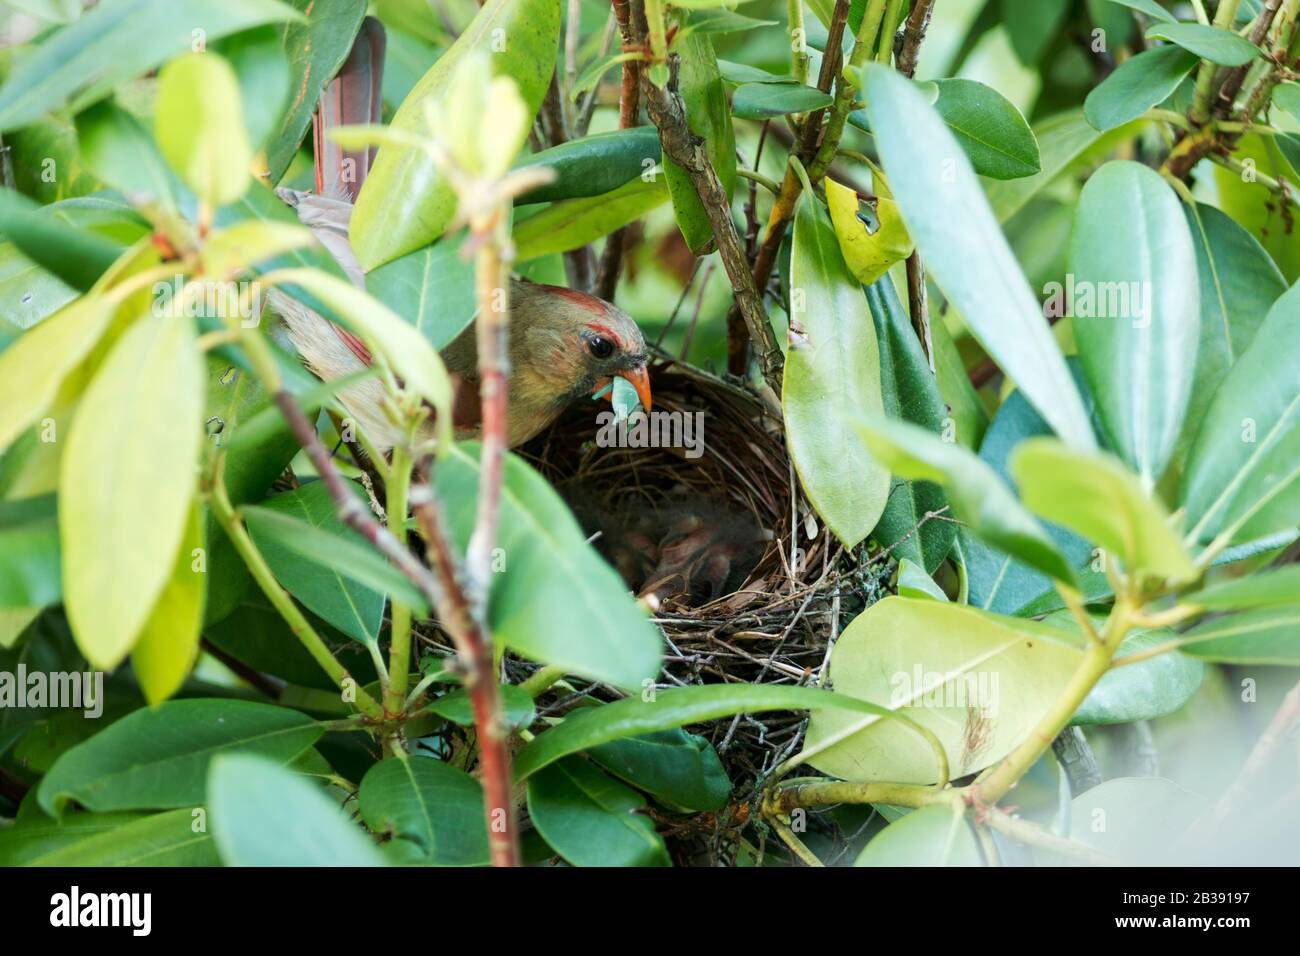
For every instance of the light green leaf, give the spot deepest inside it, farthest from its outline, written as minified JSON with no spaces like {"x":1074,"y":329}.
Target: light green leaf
{"x":1268,"y":635}
{"x":833,"y":362}
{"x":265,"y":815}
{"x":761,"y":101}
{"x":1136,"y":308}
{"x":573,"y":223}
{"x":35,"y":366}
{"x":592,"y":820}
{"x":1141,"y":82}
{"x":517,"y":708}
{"x":126,"y":482}
{"x":965,"y":251}
{"x":1242,"y":479}
{"x":1209,"y":43}
{"x":930,"y":836}
{"x":259,"y":61}
{"x":989,"y":128}
{"x":238,"y":247}
{"x":436,"y":810}
{"x":199,"y":126}
{"x":979,"y":681}
{"x":598,"y":630}
{"x":1149,"y":7}
{"x":1140,"y":820}
{"x":29,"y":553}
{"x":382,"y":229}
{"x":121,"y":153}
{"x":158,"y":759}
{"x":1095,"y":496}
{"x":1265,"y":589}
{"x":115,"y":42}
{"x":169,"y":643}
{"x":979,"y":498}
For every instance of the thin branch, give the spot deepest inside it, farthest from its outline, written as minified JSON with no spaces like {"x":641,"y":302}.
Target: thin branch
{"x":918,"y":22}
{"x":1237,"y":75}
{"x":629,"y":106}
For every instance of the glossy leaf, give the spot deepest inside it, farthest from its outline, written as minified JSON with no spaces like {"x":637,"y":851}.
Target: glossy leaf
{"x":705,"y":98}
{"x":1265,"y":589}
{"x":979,"y":498}
{"x":989,"y":128}
{"x":593,"y":165}
{"x":910,"y":394}
{"x":1095,"y":496}
{"x":1209,"y":43}
{"x":833,"y":361}
{"x":930,"y":836}
{"x":979,"y":681}
{"x":120,"y":527}
{"x":158,"y":759}
{"x":1269,"y":635}
{"x":665,"y":710}
{"x":115,"y":42}
{"x":383,"y":230}
{"x":597,"y":631}
{"x":517,"y":708}
{"x":1136,"y":309}
{"x":199,"y":126}
{"x":591,"y":819}
{"x":574,"y":223}
{"x":265,"y":815}
{"x":102,"y":839}
{"x":762,"y":101}
{"x":965,"y":251}
{"x":1242,"y":480}
{"x":1062,"y":140}
{"x":433,"y":809}
{"x":35,"y":366}
{"x":169,"y":642}
{"x":678,"y":769}
{"x":1140,"y":82}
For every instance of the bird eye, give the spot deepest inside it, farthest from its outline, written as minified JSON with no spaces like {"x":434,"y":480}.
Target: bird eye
{"x":600,"y":347}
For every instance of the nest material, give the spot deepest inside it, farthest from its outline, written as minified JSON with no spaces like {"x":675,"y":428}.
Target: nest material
{"x":778,"y":617}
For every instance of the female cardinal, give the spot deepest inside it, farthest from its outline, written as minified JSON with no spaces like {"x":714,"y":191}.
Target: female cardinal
{"x":564,"y":344}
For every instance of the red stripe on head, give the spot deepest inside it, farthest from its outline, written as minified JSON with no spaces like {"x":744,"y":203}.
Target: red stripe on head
{"x":580,"y":299}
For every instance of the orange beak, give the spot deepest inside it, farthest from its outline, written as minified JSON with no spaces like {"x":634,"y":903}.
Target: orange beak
{"x":640,"y":380}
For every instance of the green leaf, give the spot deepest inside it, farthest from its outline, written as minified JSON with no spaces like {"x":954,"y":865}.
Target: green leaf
{"x":385,"y":333}
{"x":1139,"y":820}
{"x":117,"y":839}
{"x":1150,"y":8}
{"x":592,"y":820}
{"x":29,"y":294}
{"x":115,"y":42}
{"x":1095,"y":496}
{"x":979,"y":498}
{"x":78,"y":256}
{"x":1209,"y":43}
{"x":517,"y":707}
{"x":324,"y":563}
{"x":664,"y":710}
{"x":930,"y":836}
{"x":678,"y":769}
{"x":1032,"y":27}
{"x":965,"y":251}
{"x":1242,"y":480}
{"x":705,"y":97}
{"x":739,"y":73}
{"x":1141,"y":82}
{"x":593,"y":165}
{"x":126,"y":482}
{"x":1267,"y":589}
{"x":833,"y":361}
{"x":29,"y":553}
{"x":914,"y":582}
{"x":989,"y":128}
{"x":722,"y":21}
{"x":169,"y":643}
{"x":1269,"y":635}
{"x":1239,"y":284}
{"x":265,"y":815}
{"x":979,"y":681}
{"x":868,"y":254}
{"x":436,"y":809}
{"x":35,"y":366}
{"x":590,"y":77}
{"x":576,"y":222}
{"x":199,"y":126}
{"x":910,"y":394}
{"x":259,"y":61}
{"x":59,"y":11}
{"x":122,"y":154}
{"x":1062,"y":140}
{"x":1136,"y":309}
{"x":158,"y":759}
{"x":382,"y":229}
{"x":761,"y":101}
{"x":1286,"y":97}
{"x":598,"y":630}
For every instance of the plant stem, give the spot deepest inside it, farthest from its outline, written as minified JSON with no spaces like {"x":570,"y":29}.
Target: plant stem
{"x":798,"y":41}
{"x":1032,"y":833}
{"x":234,"y":528}
{"x":1223,"y":18}
{"x":399,"y":648}
{"x":893,"y":17}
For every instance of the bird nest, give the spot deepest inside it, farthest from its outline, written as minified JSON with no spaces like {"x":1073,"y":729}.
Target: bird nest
{"x":742,"y":578}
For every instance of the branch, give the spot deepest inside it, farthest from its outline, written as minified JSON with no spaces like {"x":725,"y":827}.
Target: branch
{"x":918,"y":22}
{"x":1237,"y":75}
{"x":629,"y":103}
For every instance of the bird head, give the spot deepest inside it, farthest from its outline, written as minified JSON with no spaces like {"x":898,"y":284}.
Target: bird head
{"x":573,"y":345}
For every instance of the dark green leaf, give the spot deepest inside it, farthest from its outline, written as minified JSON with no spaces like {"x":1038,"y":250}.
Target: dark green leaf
{"x":432,"y":288}
{"x":1269,"y":635}
{"x":989,"y":128}
{"x":760,"y":101}
{"x":1209,"y":43}
{"x":1149,"y":7}
{"x":517,"y":707}
{"x":122,"y":154}
{"x":593,"y":165}
{"x":1140,"y":83}
{"x":1266,"y":589}
{"x":1031,"y":27}
{"x":434,"y":809}
{"x":116,"y":839}
{"x":259,"y":60}
{"x":678,"y":769}
{"x":29,"y":553}
{"x":77,"y":256}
